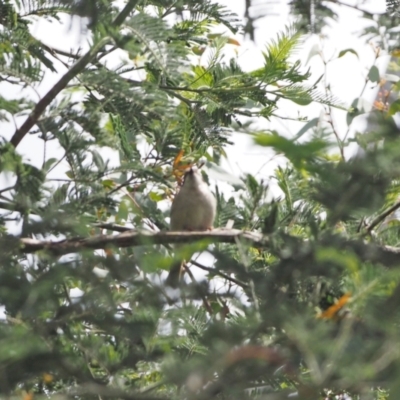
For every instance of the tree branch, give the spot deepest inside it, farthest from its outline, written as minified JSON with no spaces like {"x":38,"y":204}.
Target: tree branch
{"x":102,"y":391}
{"x":384,"y":255}
{"x":54,"y":91}
{"x":66,"y":78}
{"x":121,"y":17}
{"x":381,"y":217}
{"x":200,"y":292}
{"x":134,"y":238}
{"x":355,"y":7}
{"x":219,"y":273}
{"x":64,"y":53}
{"x":112,"y":227}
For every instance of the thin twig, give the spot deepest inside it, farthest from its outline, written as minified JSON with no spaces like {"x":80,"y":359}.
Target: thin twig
{"x":113,"y":227}
{"x":354,"y":7}
{"x":366,"y":80}
{"x":66,"y":291}
{"x":122,"y":185}
{"x":53,"y":50}
{"x":382,"y":216}
{"x":7,"y":189}
{"x":207,"y":305}
{"x":329,"y":113}
{"x":246,"y":263}
{"x":219,"y":273}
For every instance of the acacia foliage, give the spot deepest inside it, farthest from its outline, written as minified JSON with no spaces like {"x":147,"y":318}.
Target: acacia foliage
{"x":313,"y":311}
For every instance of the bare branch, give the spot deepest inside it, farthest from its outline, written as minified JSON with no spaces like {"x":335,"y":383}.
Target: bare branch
{"x":206,"y":303}
{"x":112,"y":227}
{"x":219,"y":273}
{"x":102,"y":391}
{"x":135,"y":238}
{"x":121,"y":17}
{"x":381,"y":217}
{"x":355,"y":7}
{"x":384,"y":255}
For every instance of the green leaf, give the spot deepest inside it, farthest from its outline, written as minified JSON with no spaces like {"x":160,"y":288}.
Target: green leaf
{"x":59,"y":195}
{"x":298,"y":95}
{"x":156,"y":196}
{"x":303,"y":100}
{"x":299,"y":154}
{"x":359,"y":106}
{"x":108,"y":183}
{"x":343,"y":52}
{"x":344,"y":260}
{"x":119,"y":129}
{"x":98,"y":160}
{"x":12,"y":106}
{"x":306,"y":127}
{"x":394,"y":107}
{"x":373,"y":74}
{"x":123,"y":211}
{"x":49,"y":163}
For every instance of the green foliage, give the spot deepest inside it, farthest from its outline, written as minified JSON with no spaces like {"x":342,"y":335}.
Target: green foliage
{"x":311,"y":310}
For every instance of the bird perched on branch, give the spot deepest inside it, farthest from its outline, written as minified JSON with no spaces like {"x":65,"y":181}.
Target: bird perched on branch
{"x":193,"y":209}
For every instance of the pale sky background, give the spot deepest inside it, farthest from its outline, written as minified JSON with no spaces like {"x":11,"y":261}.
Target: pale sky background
{"x":346,"y":77}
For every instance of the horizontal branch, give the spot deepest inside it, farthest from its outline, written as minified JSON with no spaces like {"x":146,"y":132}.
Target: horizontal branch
{"x":139,"y":238}
{"x":368,"y":252}
{"x":107,"y":392}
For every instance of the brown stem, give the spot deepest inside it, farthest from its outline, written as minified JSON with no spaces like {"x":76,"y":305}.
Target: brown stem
{"x":219,"y":273}
{"x":66,"y":78}
{"x":354,"y":7}
{"x":138,"y":238}
{"x":54,"y":91}
{"x":112,"y":227}
{"x":207,"y":305}
{"x":382,"y":216}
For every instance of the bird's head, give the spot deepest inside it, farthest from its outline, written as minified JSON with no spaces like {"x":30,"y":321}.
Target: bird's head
{"x":192,"y":177}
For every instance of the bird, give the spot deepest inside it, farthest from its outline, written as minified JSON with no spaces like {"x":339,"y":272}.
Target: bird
{"x":193,"y":209}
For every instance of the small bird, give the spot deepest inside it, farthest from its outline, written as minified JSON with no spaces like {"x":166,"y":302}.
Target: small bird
{"x":193,"y":209}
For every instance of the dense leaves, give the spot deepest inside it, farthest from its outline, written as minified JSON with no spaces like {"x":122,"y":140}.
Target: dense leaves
{"x":309,"y":311}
